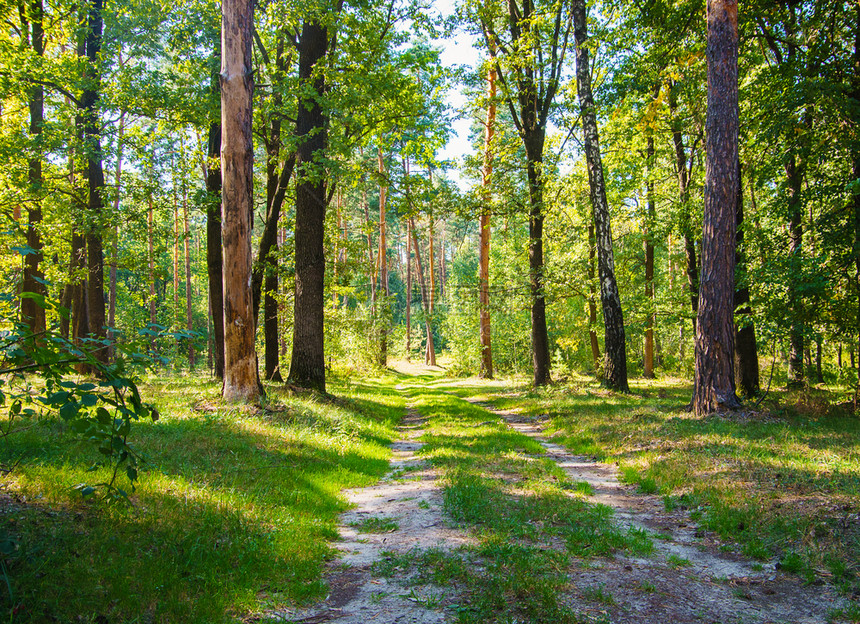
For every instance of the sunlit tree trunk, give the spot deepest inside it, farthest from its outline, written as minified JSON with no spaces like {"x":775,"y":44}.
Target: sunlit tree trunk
{"x":237,"y":161}
{"x":409,"y":288}
{"x":855,"y":157}
{"x":615,"y":354}
{"x":150,"y":222}
{"x":114,"y":254}
{"x":189,"y":316}
{"x":714,"y":388}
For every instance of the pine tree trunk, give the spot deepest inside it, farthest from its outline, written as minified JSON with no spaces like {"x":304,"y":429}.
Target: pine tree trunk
{"x":855,"y":158}
{"x":270,"y":322}
{"x":794,"y":170}
{"x":408,"y":289}
{"x":714,"y":388}
{"x":95,"y":176}
{"x":484,"y":227}
{"x":307,"y":367}
{"x":383,"y":265}
{"x":615,"y":356}
{"x":32,"y":313}
{"x":241,"y":382}
{"x":746,"y":350}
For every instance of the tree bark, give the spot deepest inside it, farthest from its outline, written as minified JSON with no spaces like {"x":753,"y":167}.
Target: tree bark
{"x":189,"y":316}
{"x":383,"y":264}
{"x":214,"y":254}
{"x":307,"y":367}
{"x":746,"y":350}
{"x":794,"y":169}
{"x":648,"y":244}
{"x":484,"y":226}
{"x":150,"y":230}
{"x":855,"y":158}
{"x":241,"y":381}
{"x":114,"y":254}
{"x":96,"y":181}
{"x":534,"y":143}
{"x":615,"y":356}
{"x":408,"y":289}
{"x":714,"y":388}
{"x":32,"y":310}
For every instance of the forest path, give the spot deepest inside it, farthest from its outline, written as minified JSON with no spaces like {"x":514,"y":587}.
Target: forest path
{"x":687,"y":578}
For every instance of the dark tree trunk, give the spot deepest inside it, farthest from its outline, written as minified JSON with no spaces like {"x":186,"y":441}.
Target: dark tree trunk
{"x":794,"y":171}
{"x":270,"y":322}
{"x":384,"y":289}
{"x":534,"y":143}
{"x":408,"y":289}
{"x":714,"y":388}
{"x":484,"y":226}
{"x":114,"y":255}
{"x":214,"y":257}
{"x":746,"y":350}
{"x":241,"y":381}
{"x":32,"y":313}
{"x":95,"y":177}
{"x":855,"y":157}
{"x":686,"y":224}
{"x":615,"y":356}
{"x":648,"y":244}
{"x":307,"y":367}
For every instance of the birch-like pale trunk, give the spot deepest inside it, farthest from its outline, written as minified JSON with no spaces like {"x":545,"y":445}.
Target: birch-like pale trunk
{"x":615,"y":351}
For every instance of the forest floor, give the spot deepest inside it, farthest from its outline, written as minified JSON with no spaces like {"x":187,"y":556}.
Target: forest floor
{"x":484,"y":517}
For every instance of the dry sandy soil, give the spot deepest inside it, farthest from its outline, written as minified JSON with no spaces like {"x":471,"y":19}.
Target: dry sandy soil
{"x":687,"y":579}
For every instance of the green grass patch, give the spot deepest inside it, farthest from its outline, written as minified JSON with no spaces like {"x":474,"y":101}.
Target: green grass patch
{"x":234,"y":511}
{"x":782,"y":480}
{"x":375,"y":524}
{"x":529,"y":516}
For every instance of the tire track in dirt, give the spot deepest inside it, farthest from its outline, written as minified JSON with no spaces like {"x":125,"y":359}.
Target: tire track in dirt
{"x":410,"y":498}
{"x":688,"y":579}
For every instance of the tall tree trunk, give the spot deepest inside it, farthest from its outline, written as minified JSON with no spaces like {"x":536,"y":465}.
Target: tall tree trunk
{"x":484,"y":227}
{"x":409,"y":289}
{"x":430,"y":351}
{"x":214,"y":257}
{"x":855,"y":157}
{"x":746,"y":350}
{"x":241,"y":382}
{"x":174,"y":320}
{"x":307,"y":367}
{"x":648,"y":244}
{"x":114,"y":253}
{"x":383,"y":264}
{"x":189,"y":316}
{"x":592,"y":297}
{"x":150,"y":230}
{"x":32,"y":312}
{"x":270,"y":323}
{"x":534,"y":143}
{"x":714,"y":388}
{"x":615,"y":356}
{"x":95,"y":177}
{"x":794,"y":169}
{"x":372,"y":264}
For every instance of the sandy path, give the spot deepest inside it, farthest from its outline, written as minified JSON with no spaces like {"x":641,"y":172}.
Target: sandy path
{"x":410,"y":496}
{"x":712,"y":586}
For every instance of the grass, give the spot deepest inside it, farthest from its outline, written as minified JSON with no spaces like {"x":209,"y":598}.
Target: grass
{"x":781,"y":482}
{"x":529,"y":517}
{"x":234,"y":511}
{"x":375,"y":524}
